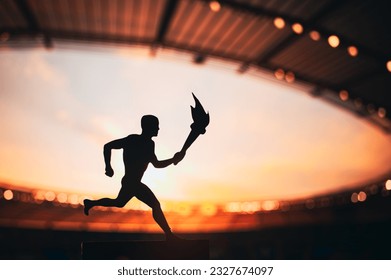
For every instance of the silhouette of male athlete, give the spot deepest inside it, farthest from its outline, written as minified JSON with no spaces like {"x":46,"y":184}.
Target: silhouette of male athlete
{"x":138,"y":152}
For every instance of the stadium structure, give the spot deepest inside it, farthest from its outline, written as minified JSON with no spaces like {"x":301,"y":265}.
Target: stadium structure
{"x":346,"y":62}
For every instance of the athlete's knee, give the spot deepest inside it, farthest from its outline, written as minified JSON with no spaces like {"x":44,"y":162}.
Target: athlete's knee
{"x":156,"y":205}
{"x":120,"y":202}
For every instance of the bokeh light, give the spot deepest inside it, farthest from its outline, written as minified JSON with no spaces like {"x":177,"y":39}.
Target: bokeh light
{"x":315,"y":35}
{"x":297,"y":28}
{"x":8,"y":195}
{"x":344,"y":95}
{"x":215,"y":6}
{"x":353,"y":51}
{"x":279,"y":23}
{"x":333,"y":41}
{"x":279,"y":74}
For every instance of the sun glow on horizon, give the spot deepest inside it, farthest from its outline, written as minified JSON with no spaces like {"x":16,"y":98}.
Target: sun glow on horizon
{"x":265,"y":140}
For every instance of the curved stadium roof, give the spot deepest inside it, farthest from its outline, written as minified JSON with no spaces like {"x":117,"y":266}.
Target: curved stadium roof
{"x":288,"y":38}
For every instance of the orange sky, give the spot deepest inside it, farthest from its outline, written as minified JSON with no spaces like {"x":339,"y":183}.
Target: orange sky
{"x":266,"y":140}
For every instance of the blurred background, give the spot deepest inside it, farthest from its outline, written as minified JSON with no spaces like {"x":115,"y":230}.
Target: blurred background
{"x":295,"y":163}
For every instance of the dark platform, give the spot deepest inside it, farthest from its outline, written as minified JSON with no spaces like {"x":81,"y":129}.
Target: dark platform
{"x":146,"y":250}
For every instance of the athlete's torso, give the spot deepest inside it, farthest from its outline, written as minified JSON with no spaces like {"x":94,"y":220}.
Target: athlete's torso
{"x":137,"y":154}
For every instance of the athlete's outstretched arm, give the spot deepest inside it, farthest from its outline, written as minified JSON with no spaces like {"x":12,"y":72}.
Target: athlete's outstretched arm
{"x":115,"y":144}
{"x":164,"y":163}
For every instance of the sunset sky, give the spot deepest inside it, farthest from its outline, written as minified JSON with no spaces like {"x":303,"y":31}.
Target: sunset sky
{"x":266,"y":140}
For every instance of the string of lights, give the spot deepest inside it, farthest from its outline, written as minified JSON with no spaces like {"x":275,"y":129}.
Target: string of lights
{"x":358,"y":195}
{"x":333,"y":40}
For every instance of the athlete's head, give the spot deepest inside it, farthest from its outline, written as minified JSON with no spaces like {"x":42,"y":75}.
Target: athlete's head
{"x":150,"y":125}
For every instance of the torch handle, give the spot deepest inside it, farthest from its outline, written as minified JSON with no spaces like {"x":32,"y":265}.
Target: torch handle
{"x":193,"y":135}
{"x":190,"y":139}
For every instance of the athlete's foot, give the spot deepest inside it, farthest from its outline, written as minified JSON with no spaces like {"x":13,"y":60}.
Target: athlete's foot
{"x":87,"y":206}
{"x":172,"y":237}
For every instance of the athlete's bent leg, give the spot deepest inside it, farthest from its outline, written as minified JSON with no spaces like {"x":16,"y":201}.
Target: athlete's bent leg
{"x":121,"y":200}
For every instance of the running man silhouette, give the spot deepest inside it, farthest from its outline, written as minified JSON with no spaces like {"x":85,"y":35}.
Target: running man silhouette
{"x":138,"y":152}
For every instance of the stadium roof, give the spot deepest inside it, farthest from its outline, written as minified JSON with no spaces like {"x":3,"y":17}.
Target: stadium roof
{"x":288,"y":38}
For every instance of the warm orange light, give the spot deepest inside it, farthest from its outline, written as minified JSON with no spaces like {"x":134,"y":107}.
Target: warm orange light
{"x":250,"y":207}
{"x":232,"y":207}
{"x":388,"y":65}
{"x":270,"y":205}
{"x":290,"y":77}
{"x":208,"y":209}
{"x":73,"y":199}
{"x":382,"y":113}
{"x":8,"y":195}
{"x":353,"y":51}
{"x":297,"y":28}
{"x":362,"y":196}
{"x":183,"y":209}
{"x":344,"y":95}
{"x":315,"y":35}
{"x":39,"y":197}
{"x":354,"y":197}
{"x":215,"y":6}
{"x":50,"y":196}
{"x":243,"y":207}
{"x":333,"y":41}
{"x":279,"y":23}
{"x":388,"y":185}
{"x":279,"y":74}
{"x":62,"y":198}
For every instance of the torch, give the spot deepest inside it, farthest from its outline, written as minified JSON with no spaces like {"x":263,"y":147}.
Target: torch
{"x":200,"y":122}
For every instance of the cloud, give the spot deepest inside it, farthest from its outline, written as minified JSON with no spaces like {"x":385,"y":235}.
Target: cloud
{"x":31,"y":67}
{"x":100,"y":129}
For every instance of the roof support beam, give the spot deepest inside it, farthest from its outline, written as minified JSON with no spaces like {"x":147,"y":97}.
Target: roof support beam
{"x":28,"y":15}
{"x":258,"y":11}
{"x":166,"y":20}
{"x":311,"y":24}
{"x":292,"y":38}
{"x":32,"y":22}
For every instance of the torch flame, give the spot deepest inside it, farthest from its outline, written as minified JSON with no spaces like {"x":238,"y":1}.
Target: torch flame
{"x":200,"y":122}
{"x":200,"y":117}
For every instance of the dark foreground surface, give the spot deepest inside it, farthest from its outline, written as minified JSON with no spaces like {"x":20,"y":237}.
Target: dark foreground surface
{"x":145,"y":250}
{"x":337,"y":241}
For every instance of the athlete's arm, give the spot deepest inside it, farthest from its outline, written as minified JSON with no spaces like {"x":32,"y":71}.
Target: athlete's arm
{"x":160,"y":163}
{"x":115,"y":144}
